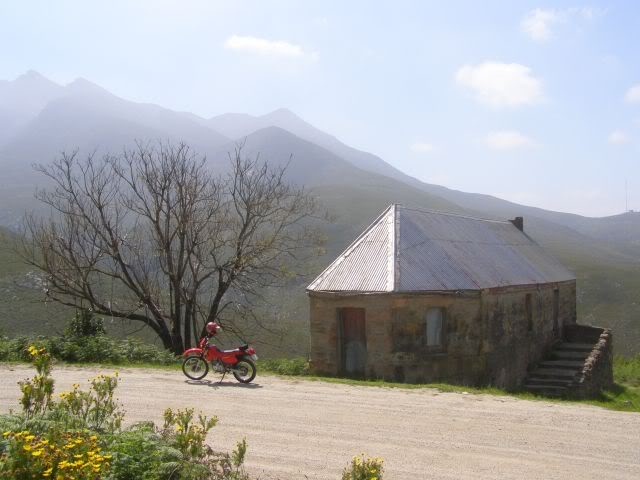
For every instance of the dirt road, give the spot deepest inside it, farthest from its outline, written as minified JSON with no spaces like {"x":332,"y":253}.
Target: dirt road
{"x":300,"y":429}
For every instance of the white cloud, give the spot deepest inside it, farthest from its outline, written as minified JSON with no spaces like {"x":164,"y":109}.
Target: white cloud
{"x":633,"y":94}
{"x":618,"y":137}
{"x":501,"y":84}
{"x":538,"y":23}
{"x":508,"y":140}
{"x":422,"y":147}
{"x":261,"y":46}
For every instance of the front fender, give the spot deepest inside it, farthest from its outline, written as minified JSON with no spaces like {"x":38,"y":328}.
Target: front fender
{"x":192,"y":351}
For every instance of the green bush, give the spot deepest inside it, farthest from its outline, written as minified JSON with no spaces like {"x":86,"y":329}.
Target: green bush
{"x":363,"y":468}
{"x":627,"y":370}
{"x":88,"y":349}
{"x":84,"y":324}
{"x":286,"y":366}
{"x":80,"y":437}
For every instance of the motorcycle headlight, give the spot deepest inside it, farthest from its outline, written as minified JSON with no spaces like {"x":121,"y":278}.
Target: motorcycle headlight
{"x":254,"y":357}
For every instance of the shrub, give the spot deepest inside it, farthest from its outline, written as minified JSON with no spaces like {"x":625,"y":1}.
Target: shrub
{"x":36,"y":392}
{"x":93,"y":349}
{"x":84,"y":324}
{"x":287,"y":366}
{"x":80,"y":437}
{"x":95,"y":409}
{"x":57,"y":455}
{"x":363,"y":468}
{"x":627,"y":370}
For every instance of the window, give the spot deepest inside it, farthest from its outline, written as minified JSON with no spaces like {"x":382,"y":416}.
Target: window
{"x":556,"y":310}
{"x":528,"y":312}
{"x":434,"y":327}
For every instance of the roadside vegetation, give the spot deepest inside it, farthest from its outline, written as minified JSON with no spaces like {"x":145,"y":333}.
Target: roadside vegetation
{"x":625,"y":395}
{"x":80,"y":435}
{"x":84,"y":341}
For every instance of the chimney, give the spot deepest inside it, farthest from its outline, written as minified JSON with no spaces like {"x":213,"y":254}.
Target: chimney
{"x":519,"y":223}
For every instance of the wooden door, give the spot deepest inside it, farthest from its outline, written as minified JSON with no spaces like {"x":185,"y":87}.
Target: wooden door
{"x":353,"y":341}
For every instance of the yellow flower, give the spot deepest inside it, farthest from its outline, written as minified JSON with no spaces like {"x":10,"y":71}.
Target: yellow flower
{"x":26,"y":448}
{"x":36,"y":453}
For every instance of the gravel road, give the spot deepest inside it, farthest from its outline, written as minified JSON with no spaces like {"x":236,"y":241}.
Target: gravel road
{"x":298,"y":429}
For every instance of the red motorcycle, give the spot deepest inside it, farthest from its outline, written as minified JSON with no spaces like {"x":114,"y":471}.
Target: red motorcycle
{"x":239,"y":361}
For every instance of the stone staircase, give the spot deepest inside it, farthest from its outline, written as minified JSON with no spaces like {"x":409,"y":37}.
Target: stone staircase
{"x":560,"y":370}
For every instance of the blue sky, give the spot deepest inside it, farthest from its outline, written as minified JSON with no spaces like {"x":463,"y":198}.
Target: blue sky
{"x":533,"y":102}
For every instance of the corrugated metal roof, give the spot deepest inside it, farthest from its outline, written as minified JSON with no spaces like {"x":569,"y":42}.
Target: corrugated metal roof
{"x":408,"y":250}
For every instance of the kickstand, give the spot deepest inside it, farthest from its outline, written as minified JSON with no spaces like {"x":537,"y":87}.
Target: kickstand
{"x":223,"y":375}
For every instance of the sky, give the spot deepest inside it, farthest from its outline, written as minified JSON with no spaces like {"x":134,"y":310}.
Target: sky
{"x":538,"y":103}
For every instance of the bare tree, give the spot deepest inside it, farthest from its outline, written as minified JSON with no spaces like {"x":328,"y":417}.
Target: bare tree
{"x":153,"y":236}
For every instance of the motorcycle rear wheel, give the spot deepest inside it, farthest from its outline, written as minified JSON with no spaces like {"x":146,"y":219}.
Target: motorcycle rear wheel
{"x":195,"y":368}
{"x":245,"y":370}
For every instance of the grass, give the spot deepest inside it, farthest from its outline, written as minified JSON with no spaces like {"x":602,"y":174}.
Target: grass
{"x":624,"y":396}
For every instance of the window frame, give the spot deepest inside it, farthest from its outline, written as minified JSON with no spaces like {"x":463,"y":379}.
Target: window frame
{"x":528,"y":311}
{"x":442,"y":346}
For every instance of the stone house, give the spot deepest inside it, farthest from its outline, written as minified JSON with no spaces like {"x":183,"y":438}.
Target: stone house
{"x":423,"y":296}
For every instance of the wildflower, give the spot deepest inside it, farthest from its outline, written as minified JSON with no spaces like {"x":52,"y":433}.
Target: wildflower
{"x":26,"y":448}
{"x":47,"y":472}
{"x":37,"y":453}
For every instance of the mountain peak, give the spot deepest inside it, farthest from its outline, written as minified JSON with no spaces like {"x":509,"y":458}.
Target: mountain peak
{"x":282,"y":113}
{"x":83,"y":86}
{"x":33,"y":78}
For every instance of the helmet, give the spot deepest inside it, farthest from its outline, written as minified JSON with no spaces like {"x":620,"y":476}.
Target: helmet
{"x":213,"y":328}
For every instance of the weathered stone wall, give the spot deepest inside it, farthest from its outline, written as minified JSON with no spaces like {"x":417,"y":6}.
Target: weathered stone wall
{"x":597,"y":373}
{"x":393,"y":322}
{"x":486,"y":341}
{"x":513,"y":344}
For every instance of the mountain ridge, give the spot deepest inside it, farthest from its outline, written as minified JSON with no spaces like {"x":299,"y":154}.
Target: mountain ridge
{"x":353,"y":184}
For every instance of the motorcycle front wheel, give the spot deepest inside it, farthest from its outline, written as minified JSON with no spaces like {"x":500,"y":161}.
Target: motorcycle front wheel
{"x":195,"y":368}
{"x":245,"y":370}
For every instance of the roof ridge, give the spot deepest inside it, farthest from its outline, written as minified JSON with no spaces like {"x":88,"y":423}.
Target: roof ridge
{"x":451,"y":214}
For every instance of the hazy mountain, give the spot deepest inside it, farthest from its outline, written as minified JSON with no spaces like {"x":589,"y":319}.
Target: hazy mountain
{"x":22,"y":99}
{"x":238,"y":125}
{"x":44,"y":118}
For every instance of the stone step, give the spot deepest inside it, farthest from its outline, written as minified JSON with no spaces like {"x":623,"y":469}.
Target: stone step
{"x":554,"y":382}
{"x":550,"y":391}
{"x":574,"y":347}
{"x":564,"y":364}
{"x":554,"y":372}
{"x":568,"y":355}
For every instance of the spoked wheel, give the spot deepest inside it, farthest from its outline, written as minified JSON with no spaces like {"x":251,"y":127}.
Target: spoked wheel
{"x":245,"y":370}
{"x":194,"y":367}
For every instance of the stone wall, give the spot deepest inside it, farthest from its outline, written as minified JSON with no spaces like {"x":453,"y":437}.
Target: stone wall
{"x":514,"y":343}
{"x":597,"y":373}
{"x":487,"y":337}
